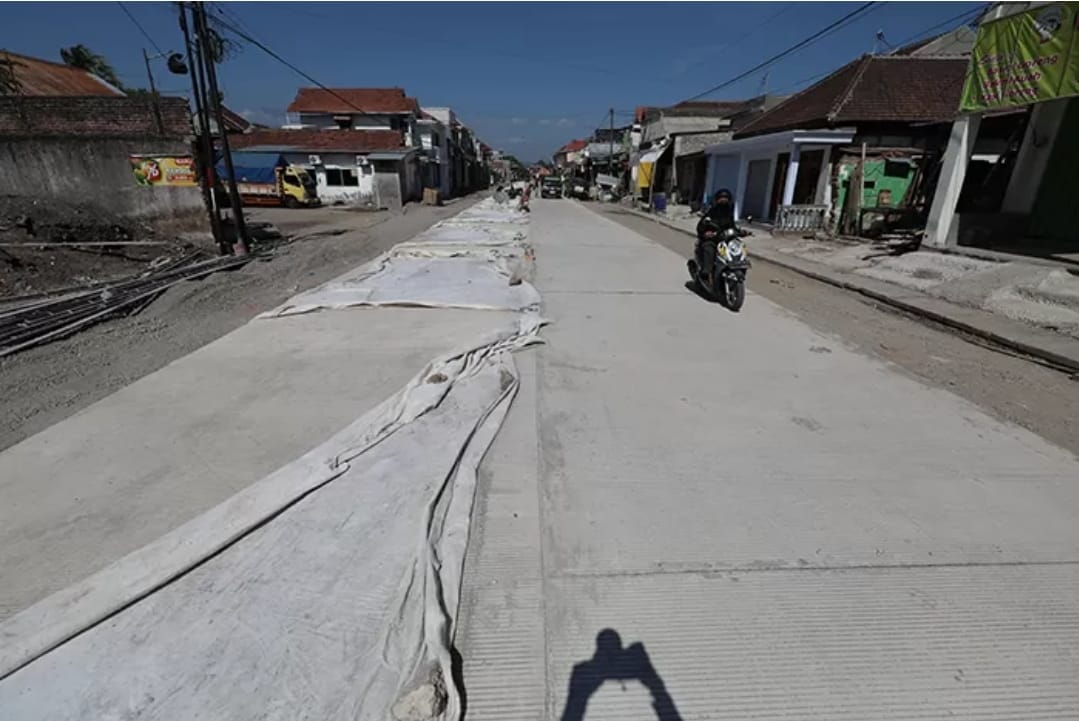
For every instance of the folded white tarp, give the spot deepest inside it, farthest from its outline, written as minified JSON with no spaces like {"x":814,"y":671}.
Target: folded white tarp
{"x":479,"y":259}
{"x":327,"y":590}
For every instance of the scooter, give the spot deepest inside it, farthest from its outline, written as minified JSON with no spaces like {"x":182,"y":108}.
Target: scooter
{"x":727,"y":281}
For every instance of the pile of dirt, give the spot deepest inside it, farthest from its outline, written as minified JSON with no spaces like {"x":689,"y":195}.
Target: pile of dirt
{"x":41,"y":246}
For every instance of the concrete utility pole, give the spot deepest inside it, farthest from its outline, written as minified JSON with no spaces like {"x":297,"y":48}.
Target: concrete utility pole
{"x":205,"y":145}
{"x":610,"y":147}
{"x":153,"y":93}
{"x":214,"y":99}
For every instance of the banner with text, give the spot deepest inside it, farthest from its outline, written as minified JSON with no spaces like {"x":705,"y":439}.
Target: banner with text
{"x":1025,"y":58}
{"x":151,"y":171}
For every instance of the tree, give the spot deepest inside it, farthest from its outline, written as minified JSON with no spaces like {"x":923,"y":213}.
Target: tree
{"x":83,"y":58}
{"x":9,"y":81}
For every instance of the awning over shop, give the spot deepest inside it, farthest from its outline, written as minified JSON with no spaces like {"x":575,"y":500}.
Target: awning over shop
{"x":647,"y":163}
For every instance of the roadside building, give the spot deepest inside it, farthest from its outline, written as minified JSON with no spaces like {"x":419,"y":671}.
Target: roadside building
{"x":1006,"y":182}
{"x":670,"y":157}
{"x":434,"y":138}
{"x":569,"y":155}
{"x":794,"y":163}
{"x":380,"y":109}
{"x":81,"y":145}
{"x":366,"y":168}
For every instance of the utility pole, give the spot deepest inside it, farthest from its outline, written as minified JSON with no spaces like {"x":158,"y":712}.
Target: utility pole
{"x":610,"y":148}
{"x":214,"y":99}
{"x":206,"y":148}
{"x":153,"y":93}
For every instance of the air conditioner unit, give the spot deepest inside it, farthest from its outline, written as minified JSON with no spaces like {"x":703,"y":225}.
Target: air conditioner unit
{"x":314,"y":160}
{"x":362,"y":160}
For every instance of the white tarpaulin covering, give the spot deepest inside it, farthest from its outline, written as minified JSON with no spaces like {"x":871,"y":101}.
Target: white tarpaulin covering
{"x":477,"y":259}
{"x":327,"y":590}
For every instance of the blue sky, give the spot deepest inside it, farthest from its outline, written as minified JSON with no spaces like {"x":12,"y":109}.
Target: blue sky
{"x":526,"y":76}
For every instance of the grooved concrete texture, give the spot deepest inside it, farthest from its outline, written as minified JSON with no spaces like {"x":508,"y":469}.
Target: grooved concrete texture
{"x":790,"y":529}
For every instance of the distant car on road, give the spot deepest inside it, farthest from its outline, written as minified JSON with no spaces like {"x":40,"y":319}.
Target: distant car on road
{"x":551,"y":187}
{"x":577,"y":188}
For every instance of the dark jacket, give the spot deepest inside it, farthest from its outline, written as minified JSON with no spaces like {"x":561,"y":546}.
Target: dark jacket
{"x":722,"y":216}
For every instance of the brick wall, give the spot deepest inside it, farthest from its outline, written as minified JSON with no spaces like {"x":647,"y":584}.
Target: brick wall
{"x":99,"y":117}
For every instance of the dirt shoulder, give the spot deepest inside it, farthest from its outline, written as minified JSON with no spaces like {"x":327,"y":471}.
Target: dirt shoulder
{"x":1008,"y":387}
{"x":46,"y":384}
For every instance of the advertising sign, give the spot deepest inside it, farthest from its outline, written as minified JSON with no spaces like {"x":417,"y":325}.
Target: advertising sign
{"x":1025,"y":58}
{"x":172,"y":170}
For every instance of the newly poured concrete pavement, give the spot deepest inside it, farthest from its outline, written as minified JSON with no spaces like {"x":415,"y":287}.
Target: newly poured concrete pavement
{"x":791,"y":529}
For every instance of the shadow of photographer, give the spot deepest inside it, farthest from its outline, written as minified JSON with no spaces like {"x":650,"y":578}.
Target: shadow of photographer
{"x":612,"y":662}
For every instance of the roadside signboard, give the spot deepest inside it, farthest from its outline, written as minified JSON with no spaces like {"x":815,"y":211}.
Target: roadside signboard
{"x":159,"y":170}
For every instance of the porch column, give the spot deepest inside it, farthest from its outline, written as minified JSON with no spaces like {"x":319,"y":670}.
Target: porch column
{"x":1033,"y":157}
{"x":740,"y":185}
{"x":940,"y":229}
{"x":792,"y":175}
{"x":824,"y":180}
{"x":709,"y":176}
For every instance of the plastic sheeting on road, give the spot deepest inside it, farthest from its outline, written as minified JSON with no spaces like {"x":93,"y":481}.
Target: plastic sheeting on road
{"x":477,"y":259}
{"x":326,"y":590}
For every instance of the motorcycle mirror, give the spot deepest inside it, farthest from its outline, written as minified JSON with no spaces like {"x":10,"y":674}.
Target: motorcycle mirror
{"x":749,"y":218}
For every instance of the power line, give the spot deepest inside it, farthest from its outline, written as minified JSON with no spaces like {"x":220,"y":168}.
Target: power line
{"x":963,"y":17}
{"x":849,"y":17}
{"x":232,"y":28}
{"x":743,"y":38}
{"x":141,"y":28}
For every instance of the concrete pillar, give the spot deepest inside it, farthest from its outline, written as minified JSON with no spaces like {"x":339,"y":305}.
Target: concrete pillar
{"x":941,"y":230}
{"x":740,"y":185}
{"x":792,"y":175}
{"x":709,"y":177}
{"x":1033,"y":156}
{"x":824,"y":180}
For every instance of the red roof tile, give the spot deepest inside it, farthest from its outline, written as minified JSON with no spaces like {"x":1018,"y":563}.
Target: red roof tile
{"x":573,"y":146}
{"x":898,"y":89}
{"x":235,"y":122}
{"x":352,"y":100}
{"x":45,"y":78}
{"x":345,"y":141}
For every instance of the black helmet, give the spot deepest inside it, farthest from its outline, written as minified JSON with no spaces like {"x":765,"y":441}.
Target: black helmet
{"x":722,"y":194}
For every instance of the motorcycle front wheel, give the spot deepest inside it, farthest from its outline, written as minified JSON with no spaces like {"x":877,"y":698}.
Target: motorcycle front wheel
{"x":735,"y":293}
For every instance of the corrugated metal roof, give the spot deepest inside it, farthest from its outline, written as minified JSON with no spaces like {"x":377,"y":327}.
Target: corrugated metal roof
{"x":38,"y":78}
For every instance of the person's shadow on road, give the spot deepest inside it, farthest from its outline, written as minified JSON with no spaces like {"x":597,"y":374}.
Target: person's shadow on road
{"x":612,"y":662}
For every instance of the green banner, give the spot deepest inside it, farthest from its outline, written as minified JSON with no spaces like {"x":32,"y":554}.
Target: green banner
{"x":1025,"y":58}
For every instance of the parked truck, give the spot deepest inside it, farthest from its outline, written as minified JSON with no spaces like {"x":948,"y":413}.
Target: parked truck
{"x":268,"y":179}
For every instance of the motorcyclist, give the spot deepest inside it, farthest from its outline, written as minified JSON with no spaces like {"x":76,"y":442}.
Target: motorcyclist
{"x":718,"y":217}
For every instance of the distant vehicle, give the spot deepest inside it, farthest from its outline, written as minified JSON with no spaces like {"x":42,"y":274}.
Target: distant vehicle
{"x":577,"y":188}
{"x":551,"y":187}
{"x":267,"y":179}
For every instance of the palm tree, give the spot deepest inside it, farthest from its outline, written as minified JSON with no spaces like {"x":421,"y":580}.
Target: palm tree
{"x":83,"y":58}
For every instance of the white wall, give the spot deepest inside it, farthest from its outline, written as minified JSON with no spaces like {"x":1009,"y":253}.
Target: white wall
{"x":349,"y":194}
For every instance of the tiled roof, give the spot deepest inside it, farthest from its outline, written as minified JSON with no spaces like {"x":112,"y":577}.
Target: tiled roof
{"x":45,"y":78}
{"x":573,"y":146}
{"x":352,"y":100}
{"x":898,"y":89}
{"x":344,"y":141}
{"x":234,"y":122}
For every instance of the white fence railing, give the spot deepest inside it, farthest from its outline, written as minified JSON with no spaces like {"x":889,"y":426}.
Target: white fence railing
{"x":801,"y":218}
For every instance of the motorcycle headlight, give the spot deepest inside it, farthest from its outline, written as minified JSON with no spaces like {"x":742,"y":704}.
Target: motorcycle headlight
{"x":735,"y":247}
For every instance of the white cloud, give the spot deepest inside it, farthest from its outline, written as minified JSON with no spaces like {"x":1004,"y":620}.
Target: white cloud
{"x":563,"y":122}
{"x":519,"y":121}
{"x":545,"y":121}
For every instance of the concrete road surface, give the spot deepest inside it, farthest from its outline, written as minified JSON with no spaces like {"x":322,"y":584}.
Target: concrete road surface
{"x":695,"y":514}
